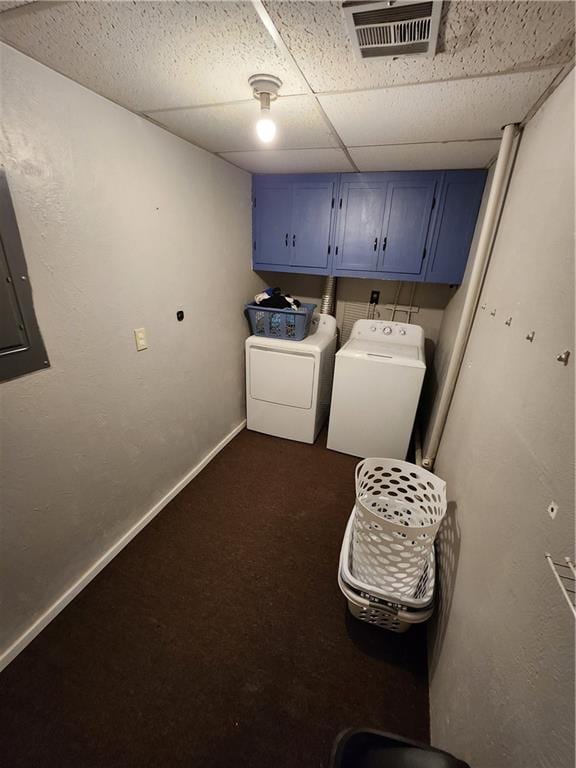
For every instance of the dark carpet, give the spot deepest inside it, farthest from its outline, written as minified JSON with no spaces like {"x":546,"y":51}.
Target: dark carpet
{"x":218,"y":637}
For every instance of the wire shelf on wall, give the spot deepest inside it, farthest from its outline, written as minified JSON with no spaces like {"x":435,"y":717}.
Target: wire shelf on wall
{"x":565,"y":575}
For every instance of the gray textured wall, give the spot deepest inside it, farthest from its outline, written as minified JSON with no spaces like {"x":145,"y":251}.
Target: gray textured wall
{"x":446,"y":335}
{"x":502,"y":649}
{"x":122,"y":224}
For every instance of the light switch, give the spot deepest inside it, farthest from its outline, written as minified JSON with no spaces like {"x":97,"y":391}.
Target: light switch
{"x":140,"y":337}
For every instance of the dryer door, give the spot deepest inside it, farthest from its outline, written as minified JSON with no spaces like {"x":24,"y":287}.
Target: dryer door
{"x":284,"y":378}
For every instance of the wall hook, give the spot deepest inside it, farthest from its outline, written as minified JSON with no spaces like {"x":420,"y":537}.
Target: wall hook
{"x":483,"y":306}
{"x":508,"y":322}
{"x":493,"y":313}
{"x":530,"y":336}
{"x":564,"y":357}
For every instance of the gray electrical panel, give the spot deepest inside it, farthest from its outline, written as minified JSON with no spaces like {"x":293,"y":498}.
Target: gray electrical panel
{"x":21,"y":347}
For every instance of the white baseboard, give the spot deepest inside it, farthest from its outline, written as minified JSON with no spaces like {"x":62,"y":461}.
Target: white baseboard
{"x":29,"y":634}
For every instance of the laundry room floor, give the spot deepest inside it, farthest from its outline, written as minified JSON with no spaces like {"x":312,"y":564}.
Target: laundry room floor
{"x":218,"y":637}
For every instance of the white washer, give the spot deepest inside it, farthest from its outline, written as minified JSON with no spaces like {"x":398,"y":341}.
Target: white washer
{"x":288,"y":383}
{"x":377,"y":382}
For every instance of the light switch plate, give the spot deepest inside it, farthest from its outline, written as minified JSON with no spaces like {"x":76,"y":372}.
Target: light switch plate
{"x":140,"y":338}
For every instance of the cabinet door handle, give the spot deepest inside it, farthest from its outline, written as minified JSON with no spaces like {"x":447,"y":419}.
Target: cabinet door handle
{"x":286,"y":240}
{"x":375,"y":243}
{"x":384,"y":243}
{"x":293,"y":241}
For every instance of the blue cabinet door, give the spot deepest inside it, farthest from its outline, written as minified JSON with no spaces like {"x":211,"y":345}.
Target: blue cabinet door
{"x":272,"y":223}
{"x":381,"y":225}
{"x":360,"y":215}
{"x":458,"y":206}
{"x":312,"y":206}
{"x":406,"y":222}
{"x":293,"y":222}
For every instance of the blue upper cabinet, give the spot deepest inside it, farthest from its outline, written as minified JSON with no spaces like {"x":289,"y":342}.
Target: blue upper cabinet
{"x":272,"y":223}
{"x":383,"y":224}
{"x":409,"y":202}
{"x":460,"y":196}
{"x":292,"y":222}
{"x":312,"y":205}
{"x":413,"y":226}
{"x":360,"y":215}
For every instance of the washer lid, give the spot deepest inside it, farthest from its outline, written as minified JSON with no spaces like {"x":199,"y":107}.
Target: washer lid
{"x":381,"y":351}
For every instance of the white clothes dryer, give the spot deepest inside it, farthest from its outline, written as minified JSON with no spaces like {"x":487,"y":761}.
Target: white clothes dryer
{"x":288,"y":383}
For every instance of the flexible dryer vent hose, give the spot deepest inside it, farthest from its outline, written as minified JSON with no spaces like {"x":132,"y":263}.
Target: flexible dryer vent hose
{"x":328,"y":304}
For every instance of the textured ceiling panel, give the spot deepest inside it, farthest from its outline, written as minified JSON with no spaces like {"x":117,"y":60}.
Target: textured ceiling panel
{"x":152,"y":55}
{"x":445,"y":111}
{"x":476,"y":37}
{"x":231,"y":127}
{"x":291,"y":161}
{"x":7,"y":5}
{"x":157,"y":56}
{"x":426,"y":157}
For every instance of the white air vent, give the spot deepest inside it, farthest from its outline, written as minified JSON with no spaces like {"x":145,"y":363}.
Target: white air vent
{"x":394,"y":27}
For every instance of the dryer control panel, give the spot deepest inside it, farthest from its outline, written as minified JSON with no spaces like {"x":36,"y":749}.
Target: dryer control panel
{"x":380,"y":330}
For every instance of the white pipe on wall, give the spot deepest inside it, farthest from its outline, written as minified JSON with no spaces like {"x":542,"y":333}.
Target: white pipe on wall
{"x":494,"y":205}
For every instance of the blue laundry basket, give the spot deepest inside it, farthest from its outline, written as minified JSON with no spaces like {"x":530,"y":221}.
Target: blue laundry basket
{"x":290,"y":324}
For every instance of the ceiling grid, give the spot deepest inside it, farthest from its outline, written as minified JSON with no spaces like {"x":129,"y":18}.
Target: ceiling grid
{"x":185,"y":66}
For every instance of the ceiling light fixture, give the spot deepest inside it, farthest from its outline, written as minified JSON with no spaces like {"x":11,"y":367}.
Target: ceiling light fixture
{"x":265,"y":89}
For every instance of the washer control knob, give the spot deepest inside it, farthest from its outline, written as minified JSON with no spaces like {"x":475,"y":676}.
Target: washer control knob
{"x":402,"y":331}
{"x":372,"y":328}
{"x":387,"y":330}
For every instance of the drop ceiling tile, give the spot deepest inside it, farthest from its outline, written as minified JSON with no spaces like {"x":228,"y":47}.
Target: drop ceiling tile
{"x":152,"y":55}
{"x":291,"y":161}
{"x":476,"y":108}
{"x":231,"y":127}
{"x":425,"y":157}
{"x":476,"y":37}
{"x":8,"y":5}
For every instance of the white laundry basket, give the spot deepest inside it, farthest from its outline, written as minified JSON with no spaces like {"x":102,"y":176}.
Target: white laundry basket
{"x":399,"y":508}
{"x":380,"y":615}
{"x":368,"y":603}
{"x":420,"y":599}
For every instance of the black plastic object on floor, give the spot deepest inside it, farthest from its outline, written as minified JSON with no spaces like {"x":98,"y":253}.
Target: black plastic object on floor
{"x":376,"y":749}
